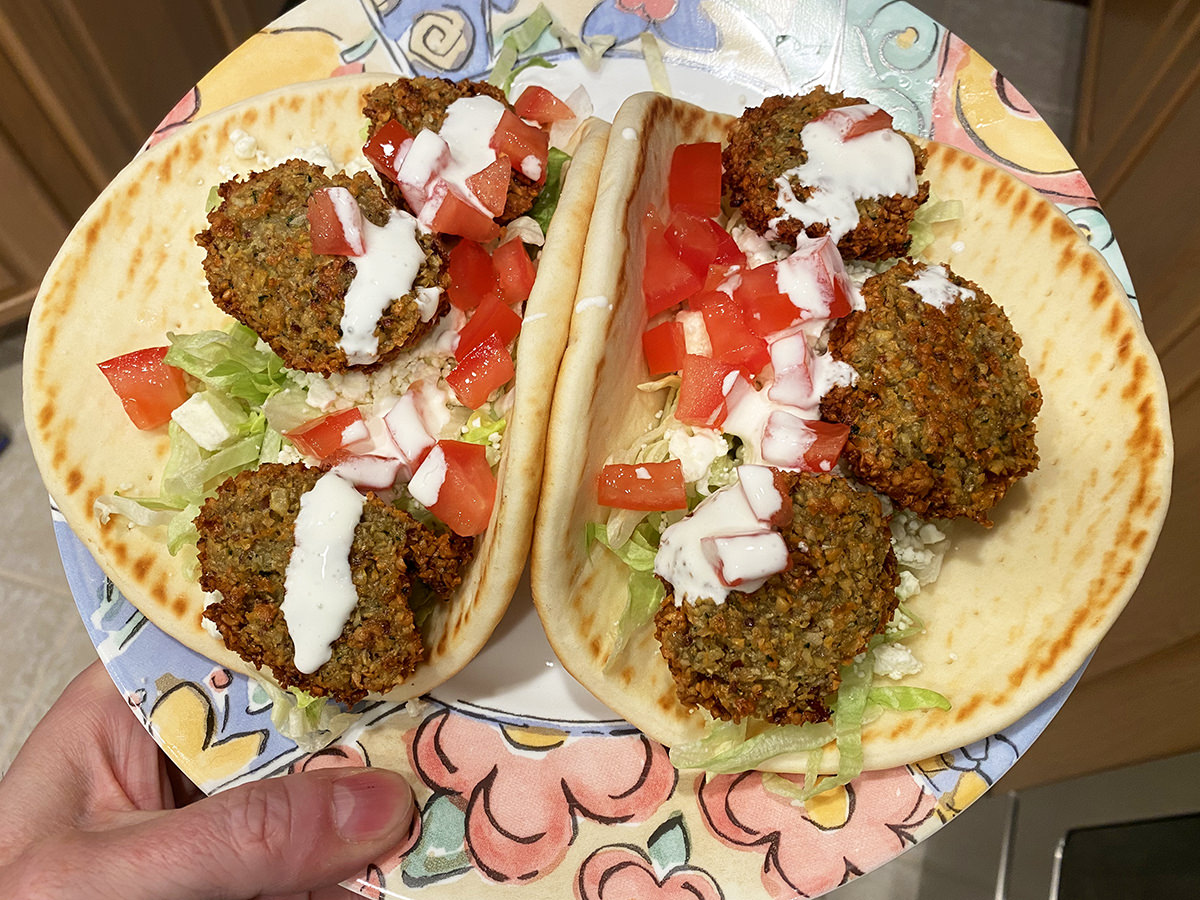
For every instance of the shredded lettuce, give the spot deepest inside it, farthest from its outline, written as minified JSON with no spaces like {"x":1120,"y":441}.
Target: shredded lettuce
{"x":928,"y":214}
{"x":547,"y":199}
{"x":904,"y":698}
{"x":646,"y":592}
{"x":312,"y":722}
{"x":590,"y":50}
{"x":722,"y":752}
{"x":240,"y":375}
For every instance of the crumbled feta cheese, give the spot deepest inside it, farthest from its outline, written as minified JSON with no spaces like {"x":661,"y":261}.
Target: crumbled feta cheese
{"x":695,"y":448}
{"x":895,"y":661}
{"x":205,"y":421}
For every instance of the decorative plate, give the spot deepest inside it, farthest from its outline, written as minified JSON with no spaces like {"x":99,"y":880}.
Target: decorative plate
{"x":522,"y":777}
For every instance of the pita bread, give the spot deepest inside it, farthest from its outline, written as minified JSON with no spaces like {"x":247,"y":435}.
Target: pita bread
{"x":130,"y":272}
{"x":1017,"y":608}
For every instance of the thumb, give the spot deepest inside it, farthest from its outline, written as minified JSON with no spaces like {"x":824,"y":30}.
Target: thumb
{"x":283,"y":835}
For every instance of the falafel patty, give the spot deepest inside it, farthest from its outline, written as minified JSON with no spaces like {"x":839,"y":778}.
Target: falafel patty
{"x":776,"y":654}
{"x":247,"y":532}
{"x":942,"y":414}
{"x":765,"y":143}
{"x":420,"y":103}
{"x":262,"y":270}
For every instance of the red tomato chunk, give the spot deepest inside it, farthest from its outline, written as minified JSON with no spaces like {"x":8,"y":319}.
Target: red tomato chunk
{"x":487,"y":366}
{"x":471,"y":275}
{"x":664,"y":348}
{"x":454,"y":215}
{"x":644,"y":486}
{"x":514,"y":271}
{"x":702,"y":391}
{"x":666,"y":280}
{"x":458,"y":484}
{"x":490,"y":185}
{"x":149,"y":389}
{"x":855,"y":121}
{"x":492,"y":317}
{"x":526,"y":146}
{"x":541,"y":105}
{"x":324,"y":437}
{"x":694,"y":181}
{"x":335,"y":223}
{"x":384,"y":147}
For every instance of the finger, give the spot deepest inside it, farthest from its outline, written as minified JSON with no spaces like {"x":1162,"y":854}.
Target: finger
{"x":278,"y":836}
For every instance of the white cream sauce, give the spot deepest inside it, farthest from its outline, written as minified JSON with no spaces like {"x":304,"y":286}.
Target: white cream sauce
{"x":728,"y":512}
{"x":319,"y":593}
{"x":877,"y":164}
{"x":385,"y":271}
{"x":933,"y":286}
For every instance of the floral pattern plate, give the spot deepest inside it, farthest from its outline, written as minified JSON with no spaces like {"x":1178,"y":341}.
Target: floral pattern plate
{"x":523,"y":779}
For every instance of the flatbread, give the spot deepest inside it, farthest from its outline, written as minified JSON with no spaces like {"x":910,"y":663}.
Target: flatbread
{"x":130,"y":272}
{"x":1018,"y":607}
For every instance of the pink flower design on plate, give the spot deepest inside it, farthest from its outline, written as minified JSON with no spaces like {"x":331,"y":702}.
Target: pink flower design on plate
{"x":813,"y":849}
{"x":522,"y":801}
{"x":621,"y":872}
{"x":652,"y":10}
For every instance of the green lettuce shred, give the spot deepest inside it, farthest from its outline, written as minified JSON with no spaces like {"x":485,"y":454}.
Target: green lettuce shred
{"x":722,"y":750}
{"x":904,"y":698}
{"x":929,"y":214}
{"x":645,"y":591}
{"x":652,"y":53}
{"x":547,"y":199}
{"x":516,"y":42}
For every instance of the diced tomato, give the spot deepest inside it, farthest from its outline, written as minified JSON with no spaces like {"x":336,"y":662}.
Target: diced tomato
{"x":732,"y":340}
{"x":456,"y":484}
{"x":447,"y":213}
{"x":490,"y":185}
{"x":385,"y":147}
{"x":149,"y":388}
{"x":719,"y":274}
{"x":790,"y":358}
{"x":664,"y":348}
{"x":514,"y":271}
{"x":694,"y":180}
{"x":645,"y":486}
{"x":702,"y":390}
{"x":666,"y":280}
{"x":526,"y":146}
{"x":376,"y":473}
{"x":541,"y":105}
{"x":417,"y":173}
{"x":805,"y":444}
{"x":768,"y":309}
{"x":855,"y":121}
{"x":325,"y":436}
{"x":739,"y":558}
{"x":701,"y":243}
{"x":335,"y":223}
{"x":770,"y":506}
{"x":821,"y":263}
{"x":492,"y":316}
{"x":487,"y":366}
{"x":831,"y":439}
{"x":409,"y":430}
{"x":471,"y":275}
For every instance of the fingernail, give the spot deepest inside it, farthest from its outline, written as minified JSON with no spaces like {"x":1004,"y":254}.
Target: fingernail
{"x":369,"y":805}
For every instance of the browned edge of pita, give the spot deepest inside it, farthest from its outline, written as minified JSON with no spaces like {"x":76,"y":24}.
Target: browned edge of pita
{"x":1017,"y":608}
{"x":130,"y":272}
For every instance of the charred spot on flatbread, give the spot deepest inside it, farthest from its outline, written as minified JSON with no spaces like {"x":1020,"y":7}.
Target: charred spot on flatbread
{"x":247,"y":532}
{"x":421,"y":103}
{"x":764,"y":143}
{"x":942,"y":414}
{"x":261,"y":268}
{"x":776,"y":654}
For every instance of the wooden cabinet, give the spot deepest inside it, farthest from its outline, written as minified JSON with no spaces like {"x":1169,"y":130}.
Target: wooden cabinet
{"x":81,"y":86}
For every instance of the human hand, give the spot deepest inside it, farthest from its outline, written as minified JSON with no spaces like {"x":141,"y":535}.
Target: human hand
{"x":92,"y":808}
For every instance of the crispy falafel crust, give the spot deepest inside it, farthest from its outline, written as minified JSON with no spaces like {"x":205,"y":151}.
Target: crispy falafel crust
{"x":247,"y":532}
{"x":765,"y":142}
{"x":420,"y":103}
{"x":261,"y":268}
{"x":777,"y":653}
{"x":942,"y":414}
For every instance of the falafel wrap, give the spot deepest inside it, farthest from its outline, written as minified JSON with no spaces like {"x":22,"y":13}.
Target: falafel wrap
{"x":760,"y":580}
{"x":195,"y":517}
